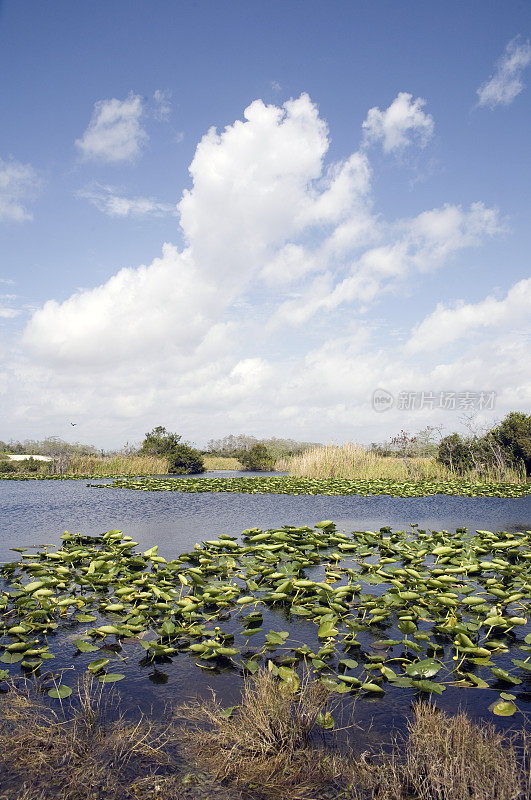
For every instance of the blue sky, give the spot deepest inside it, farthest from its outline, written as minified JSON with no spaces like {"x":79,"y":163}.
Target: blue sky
{"x":363,"y":225}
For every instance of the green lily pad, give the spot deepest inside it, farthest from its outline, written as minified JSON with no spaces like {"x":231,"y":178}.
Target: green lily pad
{"x":60,"y":692}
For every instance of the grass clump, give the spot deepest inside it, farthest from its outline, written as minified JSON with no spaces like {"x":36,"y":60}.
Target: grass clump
{"x":83,"y":751}
{"x":266,"y":743}
{"x":267,"y":747}
{"x":447,"y":757}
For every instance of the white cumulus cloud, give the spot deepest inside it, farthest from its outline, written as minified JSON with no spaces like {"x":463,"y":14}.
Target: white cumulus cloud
{"x":450,"y":324}
{"x":115,"y":132}
{"x":400,"y":124}
{"x":19,"y":183}
{"x":506,"y":82}
{"x":408,"y":246}
{"x":270,"y":232}
{"x":248,"y":184}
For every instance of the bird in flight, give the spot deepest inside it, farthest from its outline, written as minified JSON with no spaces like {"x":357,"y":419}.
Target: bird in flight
{"x":73,"y":424}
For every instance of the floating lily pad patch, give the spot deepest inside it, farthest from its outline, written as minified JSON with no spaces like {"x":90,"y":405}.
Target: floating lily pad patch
{"x":379,"y":610}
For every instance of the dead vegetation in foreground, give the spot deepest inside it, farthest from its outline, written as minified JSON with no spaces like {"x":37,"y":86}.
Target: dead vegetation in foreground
{"x":270,"y":746}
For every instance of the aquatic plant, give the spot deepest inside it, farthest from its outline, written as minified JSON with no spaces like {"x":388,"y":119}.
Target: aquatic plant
{"x":286,"y":484}
{"x":388,"y":609}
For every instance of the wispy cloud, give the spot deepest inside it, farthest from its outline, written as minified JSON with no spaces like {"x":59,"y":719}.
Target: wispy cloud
{"x":108,"y":200}
{"x":8,"y":313}
{"x":506,"y":82}
{"x":114,"y":132}
{"x":161,"y":99}
{"x":19,"y":183}
{"x":400,"y":124}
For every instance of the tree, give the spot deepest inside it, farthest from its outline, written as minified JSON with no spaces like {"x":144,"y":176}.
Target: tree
{"x":455,"y":453}
{"x":514,"y":436}
{"x":182,"y":458}
{"x":257,"y":459}
{"x":185,"y":460}
{"x":159,"y":442}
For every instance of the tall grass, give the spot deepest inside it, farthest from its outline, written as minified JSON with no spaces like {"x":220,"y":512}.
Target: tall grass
{"x":352,"y":460}
{"x":86,"y":751}
{"x":266,"y":744}
{"x":221,"y":462}
{"x":117,"y":465}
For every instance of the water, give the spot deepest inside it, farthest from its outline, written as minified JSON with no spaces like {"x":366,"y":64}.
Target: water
{"x":37,"y":512}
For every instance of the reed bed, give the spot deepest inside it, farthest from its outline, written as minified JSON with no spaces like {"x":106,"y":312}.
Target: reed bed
{"x":352,"y":460}
{"x":221,"y":462}
{"x":117,"y":465}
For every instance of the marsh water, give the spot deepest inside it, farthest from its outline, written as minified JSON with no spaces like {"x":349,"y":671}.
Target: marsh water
{"x":38,"y":512}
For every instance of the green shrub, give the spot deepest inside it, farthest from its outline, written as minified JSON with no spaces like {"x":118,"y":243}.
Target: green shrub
{"x":185,"y":460}
{"x":504,"y":447}
{"x":256,"y":459}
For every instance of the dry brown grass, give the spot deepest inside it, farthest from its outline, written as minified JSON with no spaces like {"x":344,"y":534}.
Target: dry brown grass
{"x":447,"y":758}
{"x":265,"y":749}
{"x":93,"y":754}
{"x":352,"y":460}
{"x":266,"y":745}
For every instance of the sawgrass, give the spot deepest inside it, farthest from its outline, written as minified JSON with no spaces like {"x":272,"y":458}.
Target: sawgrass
{"x":94,"y":752}
{"x":266,"y":744}
{"x":221,"y":462}
{"x":269,"y":744}
{"x":117,"y":465}
{"x":352,"y":460}
{"x":445,"y":757}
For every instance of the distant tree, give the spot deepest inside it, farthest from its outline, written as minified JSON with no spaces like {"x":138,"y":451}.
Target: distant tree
{"x":508,"y":445}
{"x":456,"y":453}
{"x":230,"y":445}
{"x":159,"y":442}
{"x":278,"y":448}
{"x":406,"y":445}
{"x":513,"y":434}
{"x":185,"y":460}
{"x":257,"y":459}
